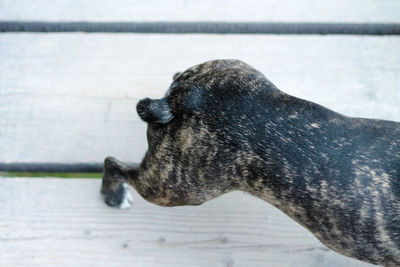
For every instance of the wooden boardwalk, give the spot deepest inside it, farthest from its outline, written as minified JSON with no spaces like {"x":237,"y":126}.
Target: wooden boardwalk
{"x":75,"y":95}
{"x":70,"y":97}
{"x":206,"y":10}
{"x":63,"y":222}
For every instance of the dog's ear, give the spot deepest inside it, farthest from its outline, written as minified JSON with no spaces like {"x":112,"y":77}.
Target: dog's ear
{"x":176,"y":75}
{"x":157,"y":111}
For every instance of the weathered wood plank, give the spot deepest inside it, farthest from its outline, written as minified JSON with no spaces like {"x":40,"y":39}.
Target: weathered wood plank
{"x":71,"y":97}
{"x":190,"y":10}
{"x":63,"y":222}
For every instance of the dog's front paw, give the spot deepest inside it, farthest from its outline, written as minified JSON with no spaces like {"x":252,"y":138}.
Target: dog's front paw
{"x":120,"y":198}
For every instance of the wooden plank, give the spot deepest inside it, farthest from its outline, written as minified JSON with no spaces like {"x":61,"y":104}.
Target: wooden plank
{"x":72,"y":97}
{"x":208,"y":10}
{"x":63,"y":222}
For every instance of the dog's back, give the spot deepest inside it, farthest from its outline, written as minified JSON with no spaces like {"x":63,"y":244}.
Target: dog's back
{"x":222,"y":126}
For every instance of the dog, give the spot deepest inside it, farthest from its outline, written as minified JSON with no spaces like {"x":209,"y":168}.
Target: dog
{"x":223,"y":126}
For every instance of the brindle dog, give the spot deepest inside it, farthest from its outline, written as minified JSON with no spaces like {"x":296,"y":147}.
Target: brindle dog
{"x":222,"y":126}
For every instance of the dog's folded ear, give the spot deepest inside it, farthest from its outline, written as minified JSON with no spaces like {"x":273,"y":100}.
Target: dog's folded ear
{"x":176,"y":75}
{"x":157,"y":110}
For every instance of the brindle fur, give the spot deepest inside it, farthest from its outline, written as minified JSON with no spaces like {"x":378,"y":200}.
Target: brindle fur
{"x":222,"y":126}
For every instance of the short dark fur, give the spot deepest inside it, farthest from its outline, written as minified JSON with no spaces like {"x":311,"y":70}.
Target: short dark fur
{"x":222,"y":126}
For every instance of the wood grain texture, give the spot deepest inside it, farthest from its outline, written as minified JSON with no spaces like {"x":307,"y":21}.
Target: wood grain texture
{"x":208,"y":10}
{"x":72,"y":97}
{"x":63,"y":222}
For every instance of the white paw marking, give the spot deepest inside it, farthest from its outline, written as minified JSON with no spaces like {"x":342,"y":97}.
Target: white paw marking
{"x":128,"y":199}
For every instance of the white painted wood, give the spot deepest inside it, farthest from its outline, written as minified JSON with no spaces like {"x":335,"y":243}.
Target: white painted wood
{"x":72,"y":97}
{"x":206,"y":10}
{"x":63,"y":222}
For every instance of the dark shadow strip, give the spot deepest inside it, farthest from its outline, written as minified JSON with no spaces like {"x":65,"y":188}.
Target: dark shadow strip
{"x":51,"y":167}
{"x":203,"y":27}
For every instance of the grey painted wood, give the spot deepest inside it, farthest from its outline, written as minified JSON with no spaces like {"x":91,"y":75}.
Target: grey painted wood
{"x":192,"y":10}
{"x":72,"y":97}
{"x":63,"y":222}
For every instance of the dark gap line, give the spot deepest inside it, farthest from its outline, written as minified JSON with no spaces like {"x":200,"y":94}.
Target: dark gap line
{"x":203,"y":27}
{"x":51,"y":167}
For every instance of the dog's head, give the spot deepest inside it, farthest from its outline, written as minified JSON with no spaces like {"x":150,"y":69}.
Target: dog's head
{"x":192,"y":132}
